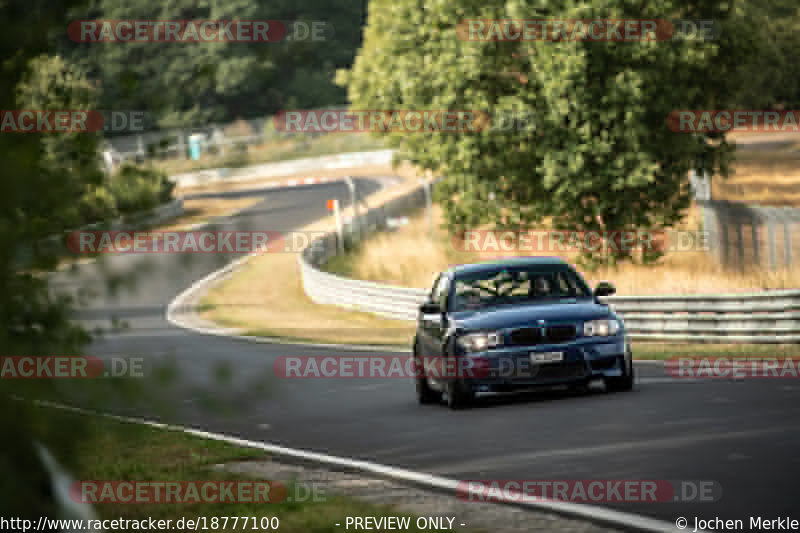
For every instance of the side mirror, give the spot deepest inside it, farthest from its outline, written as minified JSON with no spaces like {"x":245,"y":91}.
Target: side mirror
{"x":604,"y":288}
{"x":430,"y":308}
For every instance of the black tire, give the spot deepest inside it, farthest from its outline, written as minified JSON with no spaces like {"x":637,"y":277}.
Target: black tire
{"x":623,"y":383}
{"x":425,"y":394}
{"x":458,"y":396}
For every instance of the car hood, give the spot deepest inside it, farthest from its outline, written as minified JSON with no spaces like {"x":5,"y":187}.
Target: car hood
{"x":513,"y":316}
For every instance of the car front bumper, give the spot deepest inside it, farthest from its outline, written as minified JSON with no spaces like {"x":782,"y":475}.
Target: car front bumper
{"x":511,"y":368}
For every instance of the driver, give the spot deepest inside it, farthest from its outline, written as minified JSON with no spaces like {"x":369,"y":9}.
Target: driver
{"x":468,"y":299}
{"x":541,"y":288}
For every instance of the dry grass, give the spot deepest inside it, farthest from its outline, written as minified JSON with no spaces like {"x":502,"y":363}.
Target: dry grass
{"x":266,"y":297}
{"x":767,"y":174}
{"x":409,"y":256}
{"x":693,"y":273}
{"x":765,"y":183}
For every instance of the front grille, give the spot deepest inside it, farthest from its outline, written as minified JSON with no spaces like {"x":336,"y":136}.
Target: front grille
{"x":576,"y":369}
{"x":556,"y":334}
{"x":526,"y":336}
{"x":550,"y":335}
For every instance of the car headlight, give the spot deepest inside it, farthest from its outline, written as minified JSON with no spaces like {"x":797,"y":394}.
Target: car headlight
{"x":478,"y":342}
{"x":601,"y":328}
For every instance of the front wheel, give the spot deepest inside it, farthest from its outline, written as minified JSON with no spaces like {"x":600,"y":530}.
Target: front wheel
{"x":425,"y":394}
{"x":458,"y":396}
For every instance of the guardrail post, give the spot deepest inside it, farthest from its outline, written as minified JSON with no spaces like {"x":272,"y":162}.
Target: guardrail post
{"x":771,"y":244}
{"x":354,"y":205}
{"x":339,"y":230}
{"x":754,"y":235}
{"x":724,"y":239}
{"x":740,"y":243}
{"x":787,"y":243}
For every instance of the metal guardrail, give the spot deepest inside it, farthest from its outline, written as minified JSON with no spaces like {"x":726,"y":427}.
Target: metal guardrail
{"x":764,"y":317}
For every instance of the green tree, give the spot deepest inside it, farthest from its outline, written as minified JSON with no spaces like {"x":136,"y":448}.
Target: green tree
{"x":594,"y":152}
{"x":69,"y":159}
{"x":42,"y":178}
{"x":47,"y":186}
{"x":184,"y":83}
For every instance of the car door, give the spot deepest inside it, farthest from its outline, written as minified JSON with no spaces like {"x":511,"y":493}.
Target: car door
{"x":431,"y":325}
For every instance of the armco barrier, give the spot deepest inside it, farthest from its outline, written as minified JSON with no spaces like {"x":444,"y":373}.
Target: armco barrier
{"x":764,"y":317}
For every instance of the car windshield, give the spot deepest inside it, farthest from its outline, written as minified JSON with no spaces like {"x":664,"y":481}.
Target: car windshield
{"x":519,"y":285}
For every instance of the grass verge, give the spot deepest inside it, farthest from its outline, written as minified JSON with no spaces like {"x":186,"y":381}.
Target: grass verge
{"x":412,"y":255}
{"x":765,"y":170}
{"x":276,"y":150}
{"x":116,"y":451}
{"x":653,"y":350}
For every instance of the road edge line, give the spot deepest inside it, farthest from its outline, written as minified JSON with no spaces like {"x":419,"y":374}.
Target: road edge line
{"x":592,"y":513}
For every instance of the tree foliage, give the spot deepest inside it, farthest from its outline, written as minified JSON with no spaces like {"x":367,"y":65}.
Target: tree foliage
{"x":592,"y":149}
{"x":45,"y":175}
{"x":772,"y":73}
{"x":185,"y":83}
{"x":42,"y":178}
{"x":49,"y":178}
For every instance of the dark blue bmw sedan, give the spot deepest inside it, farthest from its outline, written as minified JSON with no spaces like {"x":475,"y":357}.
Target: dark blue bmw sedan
{"x":516,"y":324}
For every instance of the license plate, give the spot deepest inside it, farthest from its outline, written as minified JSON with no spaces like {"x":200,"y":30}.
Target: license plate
{"x":546,"y":357}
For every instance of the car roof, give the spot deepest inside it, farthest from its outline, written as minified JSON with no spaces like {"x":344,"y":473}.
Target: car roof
{"x":511,"y":262}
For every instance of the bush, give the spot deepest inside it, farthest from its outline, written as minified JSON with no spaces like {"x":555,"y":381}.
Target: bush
{"x":98,"y":204}
{"x":237,"y":157}
{"x":132,"y":189}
